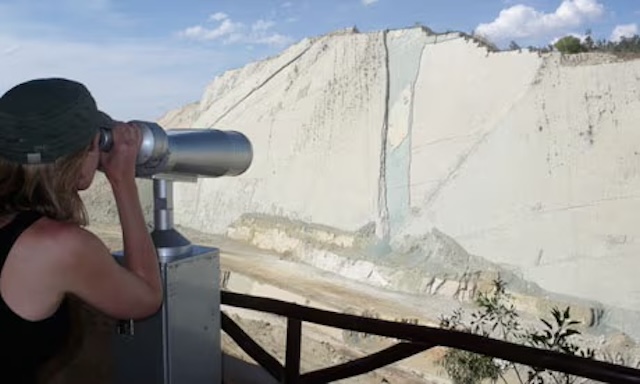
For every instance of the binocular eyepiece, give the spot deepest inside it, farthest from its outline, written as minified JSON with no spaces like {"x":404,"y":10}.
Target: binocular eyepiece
{"x":187,"y":152}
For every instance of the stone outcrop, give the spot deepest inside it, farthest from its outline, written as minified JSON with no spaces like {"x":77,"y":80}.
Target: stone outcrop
{"x":384,"y":141}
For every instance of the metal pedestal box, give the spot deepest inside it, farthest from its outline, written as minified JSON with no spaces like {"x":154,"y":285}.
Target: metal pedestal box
{"x":181,"y":343}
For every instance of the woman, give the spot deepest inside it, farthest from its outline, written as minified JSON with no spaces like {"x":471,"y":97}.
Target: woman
{"x":49,"y":131}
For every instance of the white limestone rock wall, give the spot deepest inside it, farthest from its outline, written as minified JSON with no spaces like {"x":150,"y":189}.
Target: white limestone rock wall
{"x":101,"y":206}
{"x":405,"y":51}
{"x":461,"y":94}
{"x":316,"y":138}
{"x":228,"y":90}
{"x":548,"y":184}
{"x":525,"y":160}
{"x":181,"y":117}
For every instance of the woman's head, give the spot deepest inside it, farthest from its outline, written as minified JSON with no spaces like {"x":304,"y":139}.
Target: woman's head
{"x":48,"y":147}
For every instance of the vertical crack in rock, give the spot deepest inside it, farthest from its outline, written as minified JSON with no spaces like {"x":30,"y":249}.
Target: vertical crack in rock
{"x":410,"y":127}
{"x":255,"y":89}
{"x":405,"y":56}
{"x":382,"y":229}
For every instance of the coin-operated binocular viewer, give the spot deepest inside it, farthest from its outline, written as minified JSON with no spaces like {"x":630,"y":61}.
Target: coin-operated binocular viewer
{"x":180,"y":344}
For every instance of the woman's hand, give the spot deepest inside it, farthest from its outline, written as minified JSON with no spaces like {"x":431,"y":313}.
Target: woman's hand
{"x":119,"y":164}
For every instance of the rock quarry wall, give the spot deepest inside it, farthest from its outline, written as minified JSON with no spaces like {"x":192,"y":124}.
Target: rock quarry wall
{"x":528,"y":161}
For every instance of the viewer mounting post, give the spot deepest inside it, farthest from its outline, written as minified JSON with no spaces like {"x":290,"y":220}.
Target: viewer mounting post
{"x":180,"y":344}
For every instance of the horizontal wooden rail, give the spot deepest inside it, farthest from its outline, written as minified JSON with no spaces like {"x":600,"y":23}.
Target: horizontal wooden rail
{"x":292,"y":370}
{"x":430,"y":336}
{"x":365,"y":364}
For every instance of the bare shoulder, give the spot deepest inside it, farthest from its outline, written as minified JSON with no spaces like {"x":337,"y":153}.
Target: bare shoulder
{"x":62,"y":240}
{"x":58,"y":255}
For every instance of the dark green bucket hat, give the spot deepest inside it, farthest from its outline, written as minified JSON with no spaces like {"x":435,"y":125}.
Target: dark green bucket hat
{"x":45,"y":119}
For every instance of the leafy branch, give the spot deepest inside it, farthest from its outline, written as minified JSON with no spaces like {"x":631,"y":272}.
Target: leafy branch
{"x":498,"y":318}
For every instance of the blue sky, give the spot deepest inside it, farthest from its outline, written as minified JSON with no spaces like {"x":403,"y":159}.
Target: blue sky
{"x":142,"y":58}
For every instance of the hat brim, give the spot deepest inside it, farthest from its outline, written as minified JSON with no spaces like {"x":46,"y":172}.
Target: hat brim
{"x":105,"y":121}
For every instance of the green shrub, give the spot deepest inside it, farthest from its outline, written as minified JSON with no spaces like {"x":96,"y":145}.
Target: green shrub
{"x":570,"y":45}
{"x":497,"y":318}
{"x":469,"y":368}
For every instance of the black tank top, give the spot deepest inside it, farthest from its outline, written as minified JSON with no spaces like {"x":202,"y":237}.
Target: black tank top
{"x":25,"y":346}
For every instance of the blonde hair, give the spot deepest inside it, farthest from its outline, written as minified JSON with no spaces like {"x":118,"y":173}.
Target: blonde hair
{"x":49,"y":189}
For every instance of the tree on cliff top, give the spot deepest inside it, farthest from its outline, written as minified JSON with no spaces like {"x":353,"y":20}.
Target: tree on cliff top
{"x":570,"y":45}
{"x":625,"y":47}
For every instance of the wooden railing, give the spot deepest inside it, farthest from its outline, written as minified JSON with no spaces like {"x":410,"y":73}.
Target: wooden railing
{"x":415,"y":338}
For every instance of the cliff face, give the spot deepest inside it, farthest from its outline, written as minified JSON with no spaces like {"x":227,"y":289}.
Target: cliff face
{"x":314,"y":115}
{"x":526,"y":160}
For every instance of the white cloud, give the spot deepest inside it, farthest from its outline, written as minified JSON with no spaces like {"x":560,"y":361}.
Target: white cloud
{"x":521,"y":21}
{"x":218,"y":16}
{"x":9,"y":50}
{"x":198,"y":32}
{"x":273,"y":39}
{"x":230,"y":32}
{"x":131,"y":78}
{"x":626,"y":30}
{"x":287,"y":4}
{"x":140,"y":80}
{"x":368,"y":2}
{"x":262,"y":25}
